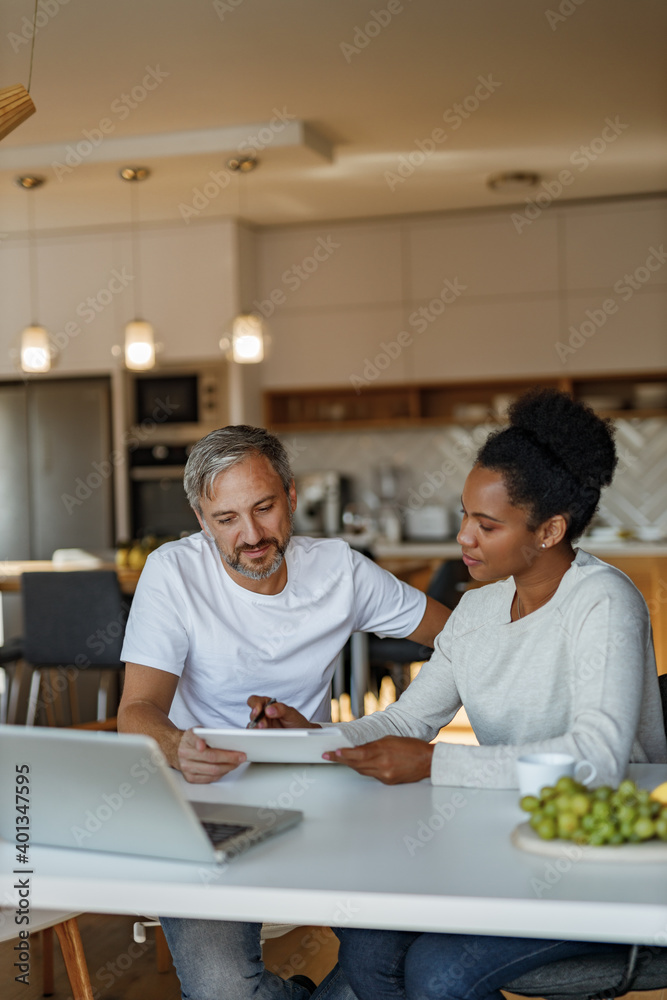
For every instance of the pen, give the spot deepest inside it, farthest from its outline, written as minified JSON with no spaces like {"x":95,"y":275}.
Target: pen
{"x":253,"y":724}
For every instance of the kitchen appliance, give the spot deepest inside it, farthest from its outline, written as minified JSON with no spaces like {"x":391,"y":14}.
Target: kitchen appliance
{"x":179,"y":405}
{"x":158,"y":505}
{"x":321,"y":497}
{"x":429,"y":523}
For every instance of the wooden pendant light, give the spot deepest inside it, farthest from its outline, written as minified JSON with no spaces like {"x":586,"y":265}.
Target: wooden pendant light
{"x":15,"y":106}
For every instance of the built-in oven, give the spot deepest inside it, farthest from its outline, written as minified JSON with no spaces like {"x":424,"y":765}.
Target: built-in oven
{"x":158,"y":505}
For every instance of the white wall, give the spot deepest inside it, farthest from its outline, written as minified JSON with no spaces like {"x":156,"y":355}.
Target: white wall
{"x":523,"y":292}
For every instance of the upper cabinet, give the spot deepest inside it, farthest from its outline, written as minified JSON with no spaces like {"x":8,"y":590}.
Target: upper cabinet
{"x":640,"y":394}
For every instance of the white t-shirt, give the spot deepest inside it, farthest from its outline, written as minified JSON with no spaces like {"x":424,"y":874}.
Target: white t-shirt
{"x":224,"y":642}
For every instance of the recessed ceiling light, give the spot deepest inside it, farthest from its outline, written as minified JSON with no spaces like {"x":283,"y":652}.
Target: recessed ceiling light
{"x":243,"y":163}
{"x":513,"y":181}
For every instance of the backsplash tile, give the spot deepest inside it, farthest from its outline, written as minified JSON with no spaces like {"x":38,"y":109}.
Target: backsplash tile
{"x":432,"y":464}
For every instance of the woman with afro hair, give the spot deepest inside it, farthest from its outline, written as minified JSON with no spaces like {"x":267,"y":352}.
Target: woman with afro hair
{"x":556,"y":654}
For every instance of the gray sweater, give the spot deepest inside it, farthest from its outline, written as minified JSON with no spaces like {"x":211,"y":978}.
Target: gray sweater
{"x":576,"y":676}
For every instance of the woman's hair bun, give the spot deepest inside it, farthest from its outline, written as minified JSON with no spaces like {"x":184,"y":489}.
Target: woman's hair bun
{"x":569,"y":432}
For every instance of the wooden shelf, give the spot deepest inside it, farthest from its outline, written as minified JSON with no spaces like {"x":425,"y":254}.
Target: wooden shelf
{"x":469,"y":402}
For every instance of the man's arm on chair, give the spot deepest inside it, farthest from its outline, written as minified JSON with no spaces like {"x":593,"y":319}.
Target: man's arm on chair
{"x":147,"y":697}
{"x":432,"y":623}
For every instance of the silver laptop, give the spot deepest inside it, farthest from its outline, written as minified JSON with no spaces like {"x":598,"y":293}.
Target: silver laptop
{"x":115,"y":792}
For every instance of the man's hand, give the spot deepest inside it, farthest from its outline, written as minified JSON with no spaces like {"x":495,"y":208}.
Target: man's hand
{"x":392,"y":760}
{"x":202,"y":764}
{"x":277,"y":715}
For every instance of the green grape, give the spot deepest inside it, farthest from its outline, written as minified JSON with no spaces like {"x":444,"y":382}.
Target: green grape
{"x":661,"y":827}
{"x":588,"y":822}
{"x":567,"y":824}
{"x":644,"y":809}
{"x":580,"y":836}
{"x":606,"y":830}
{"x":529,"y":803}
{"x":596,"y":839}
{"x":546,"y":828}
{"x":547,"y":793}
{"x":627,"y":787}
{"x":535,"y":819}
{"x":644,"y":828}
{"x":580,"y":804}
{"x":550,"y":808}
{"x":602,"y":793}
{"x":626,"y":829}
{"x":565,"y":784}
{"x":643,"y":797}
{"x":626,"y":814}
{"x":601,"y":810}
{"x":616,"y":838}
{"x":563,"y":801}
{"x":655,"y":809}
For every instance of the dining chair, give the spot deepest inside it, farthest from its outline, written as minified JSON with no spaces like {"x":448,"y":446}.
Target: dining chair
{"x":72,"y":619}
{"x":592,"y":977}
{"x":67,"y":930}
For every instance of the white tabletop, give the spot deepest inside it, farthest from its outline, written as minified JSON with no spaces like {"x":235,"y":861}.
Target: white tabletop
{"x":349,"y":863}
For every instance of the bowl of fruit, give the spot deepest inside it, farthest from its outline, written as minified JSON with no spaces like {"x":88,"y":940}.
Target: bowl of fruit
{"x":599,"y":821}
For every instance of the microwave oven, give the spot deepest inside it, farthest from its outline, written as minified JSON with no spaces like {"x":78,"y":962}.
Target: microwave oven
{"x":179,"y":405}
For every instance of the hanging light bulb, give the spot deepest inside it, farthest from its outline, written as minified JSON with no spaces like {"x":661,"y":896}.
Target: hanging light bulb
{"x":139,"y":345}
{"x":139,"y":335}
{"x":35,"y":347}
{"x":247,"y":339}
{"x":35,"y":350}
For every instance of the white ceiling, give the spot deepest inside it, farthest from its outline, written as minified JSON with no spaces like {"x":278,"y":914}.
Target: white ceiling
{"x":557,"y":78}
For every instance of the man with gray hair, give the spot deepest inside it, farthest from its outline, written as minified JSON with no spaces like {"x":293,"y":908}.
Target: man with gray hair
{"x":238,"y":609}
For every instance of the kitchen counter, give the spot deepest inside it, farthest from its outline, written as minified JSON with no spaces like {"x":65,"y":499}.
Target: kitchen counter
{"x":451,"y":550}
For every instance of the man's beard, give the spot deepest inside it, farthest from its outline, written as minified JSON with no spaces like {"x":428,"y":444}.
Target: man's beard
{"x":234,"y":561}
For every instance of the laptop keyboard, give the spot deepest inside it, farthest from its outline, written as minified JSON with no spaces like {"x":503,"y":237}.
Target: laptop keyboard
{"x":218,"y":833}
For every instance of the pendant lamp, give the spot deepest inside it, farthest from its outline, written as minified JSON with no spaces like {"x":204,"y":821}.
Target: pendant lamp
{"x":15,"y":106}
{"x":35,"y":347}
{"x":139,"y":335}
{"x":246,"y":345}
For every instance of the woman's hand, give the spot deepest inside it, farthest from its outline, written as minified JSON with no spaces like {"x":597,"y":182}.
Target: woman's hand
{"x":277,"y":715}
{"x":392,"y":760}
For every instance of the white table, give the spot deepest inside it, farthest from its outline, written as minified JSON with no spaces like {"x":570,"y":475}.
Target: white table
{"x":349,"y":864}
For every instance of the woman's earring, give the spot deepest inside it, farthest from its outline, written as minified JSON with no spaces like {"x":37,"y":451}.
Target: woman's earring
{"x":544,"y":545}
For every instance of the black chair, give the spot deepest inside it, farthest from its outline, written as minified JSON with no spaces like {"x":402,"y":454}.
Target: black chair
{"x":73,"y":620}
{"x":662,"y":682}
{"x":394,"y":656}
{"x":10,"y":652}
{"x":593,"y":977}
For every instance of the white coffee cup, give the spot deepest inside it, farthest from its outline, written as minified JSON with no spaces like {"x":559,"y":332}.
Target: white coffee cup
{"x":535,"y":770}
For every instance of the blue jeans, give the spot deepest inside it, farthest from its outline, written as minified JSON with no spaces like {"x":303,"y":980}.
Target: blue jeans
{"x":401,"y":965}
{"x":222,"y":960}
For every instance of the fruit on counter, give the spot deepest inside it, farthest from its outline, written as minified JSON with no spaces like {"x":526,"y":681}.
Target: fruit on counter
{"x":660,"y":793}
{"x":133,"y":555}
{"x":122,"y":553}
{"x":597,"y":816}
